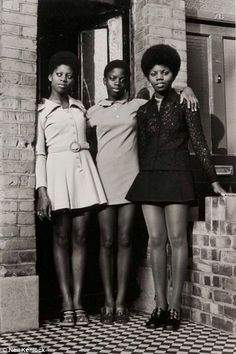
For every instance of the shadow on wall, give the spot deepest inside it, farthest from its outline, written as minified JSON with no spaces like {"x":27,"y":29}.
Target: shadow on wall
{"x":218,"y":133}
{"x":48,"y":287}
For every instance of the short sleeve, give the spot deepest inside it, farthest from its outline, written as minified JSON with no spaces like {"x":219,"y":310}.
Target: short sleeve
{"x":90,"y":117}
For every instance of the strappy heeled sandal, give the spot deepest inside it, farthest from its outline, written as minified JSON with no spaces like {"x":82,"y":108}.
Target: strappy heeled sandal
{"x":107,"y":315}
{"x":122,"y":315}
{"x":81,"y":318}
{"x":67,"y":318}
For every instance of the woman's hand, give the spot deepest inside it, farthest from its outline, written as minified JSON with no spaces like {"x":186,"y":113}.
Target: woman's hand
{"x":43,"y":205}
{"x":188,"y":95}
{"x":218,"y":189}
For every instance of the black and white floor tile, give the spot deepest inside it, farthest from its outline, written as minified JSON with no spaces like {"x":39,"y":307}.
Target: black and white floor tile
{"x":123,"y":339}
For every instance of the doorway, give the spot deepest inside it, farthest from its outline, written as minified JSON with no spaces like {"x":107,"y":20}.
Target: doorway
{"x":97,"y":31}
{"x":212,"y":75}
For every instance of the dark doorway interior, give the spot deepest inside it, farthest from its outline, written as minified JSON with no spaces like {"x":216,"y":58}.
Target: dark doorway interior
{"x":61,"y":24}
{"x":71,"y":25}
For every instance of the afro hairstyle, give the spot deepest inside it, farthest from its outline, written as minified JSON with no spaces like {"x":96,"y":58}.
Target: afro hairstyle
{"x":64,"y":58}
{"x":121,"y":64}
{"x":161,"y":54}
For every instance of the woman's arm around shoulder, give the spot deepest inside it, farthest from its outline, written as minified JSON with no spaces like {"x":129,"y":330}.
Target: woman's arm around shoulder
{"x":190,"y":98}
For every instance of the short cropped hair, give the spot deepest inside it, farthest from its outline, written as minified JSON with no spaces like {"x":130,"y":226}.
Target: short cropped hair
{"x":64,"y":58}
{"x":121,"y":64}
{"x":161,"y":54}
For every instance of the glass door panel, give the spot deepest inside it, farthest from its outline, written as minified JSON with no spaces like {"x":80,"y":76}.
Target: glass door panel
{"x":97,"y":47}
{"x":94,"y":57}
{"x":198,"y":76}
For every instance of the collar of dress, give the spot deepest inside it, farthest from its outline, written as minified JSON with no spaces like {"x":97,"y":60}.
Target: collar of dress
{"x":172,"y":96}
{"x":108,"y":103}
{"x":48,"y":106}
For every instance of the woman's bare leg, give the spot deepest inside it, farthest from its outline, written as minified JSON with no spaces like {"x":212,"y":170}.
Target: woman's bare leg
{"x":61,"y":240}
{"x":79,"y":252}
{"x":107,"y":222}
{"x":125,"y":220}
{"x":155,"y":221}
{"x":176,"y":221}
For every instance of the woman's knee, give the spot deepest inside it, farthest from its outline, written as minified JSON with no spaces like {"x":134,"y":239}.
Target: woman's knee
{"x":61,"y":239}
{"x":124,"y":240}
{"x":178,"y":239}
{"x":106,"y":240}
{"x":79,"y":238}
{"x":158,"y":240}
{"x":61,"y":230}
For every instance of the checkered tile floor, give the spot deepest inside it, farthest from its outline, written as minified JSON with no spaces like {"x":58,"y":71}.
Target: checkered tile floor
{"x":125,"y":339}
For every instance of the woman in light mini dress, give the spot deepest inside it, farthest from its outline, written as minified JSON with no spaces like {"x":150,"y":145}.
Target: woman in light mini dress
{"x":67,"y":181}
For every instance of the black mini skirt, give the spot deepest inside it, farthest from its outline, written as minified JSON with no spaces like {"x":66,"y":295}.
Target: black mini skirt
{"x":161,"y":186}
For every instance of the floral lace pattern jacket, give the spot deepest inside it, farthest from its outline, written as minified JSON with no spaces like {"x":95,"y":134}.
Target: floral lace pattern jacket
{"x":163,"y":136}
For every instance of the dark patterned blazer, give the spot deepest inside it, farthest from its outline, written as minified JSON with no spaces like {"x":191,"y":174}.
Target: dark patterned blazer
{"x":163,"y":136}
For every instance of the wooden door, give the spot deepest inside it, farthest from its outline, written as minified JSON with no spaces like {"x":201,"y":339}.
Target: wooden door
{"x":212,"y":75}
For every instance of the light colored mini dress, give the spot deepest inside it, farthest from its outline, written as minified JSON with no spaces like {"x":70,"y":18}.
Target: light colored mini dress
{"x":63,"y":161}
{"x":117,"y":156}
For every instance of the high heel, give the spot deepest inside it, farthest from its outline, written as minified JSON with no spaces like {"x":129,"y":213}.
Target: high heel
{"x":122,"y":315}
{"x":81,"y":318}
{"x":107,"y":315}
{"x":173,"y":320}
{"x":67,"y":318}
{"x":157,"y":318}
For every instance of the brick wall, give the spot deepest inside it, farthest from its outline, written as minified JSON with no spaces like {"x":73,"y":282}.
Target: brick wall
{"x":154,"y":22}
{"x":18,"y":30}
{"x":210,"y":294}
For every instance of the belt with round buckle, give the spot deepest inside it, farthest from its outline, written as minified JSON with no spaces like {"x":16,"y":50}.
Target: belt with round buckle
{"x":75,"y":146}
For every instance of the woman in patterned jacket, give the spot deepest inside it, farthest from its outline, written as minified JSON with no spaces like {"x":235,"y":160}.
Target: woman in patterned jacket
{"x":164,"y":185}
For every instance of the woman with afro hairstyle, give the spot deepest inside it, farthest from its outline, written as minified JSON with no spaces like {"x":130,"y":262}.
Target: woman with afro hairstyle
{"x":117,"y":163}
{"x":67,"y":181}
{"x":164,"y":185}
